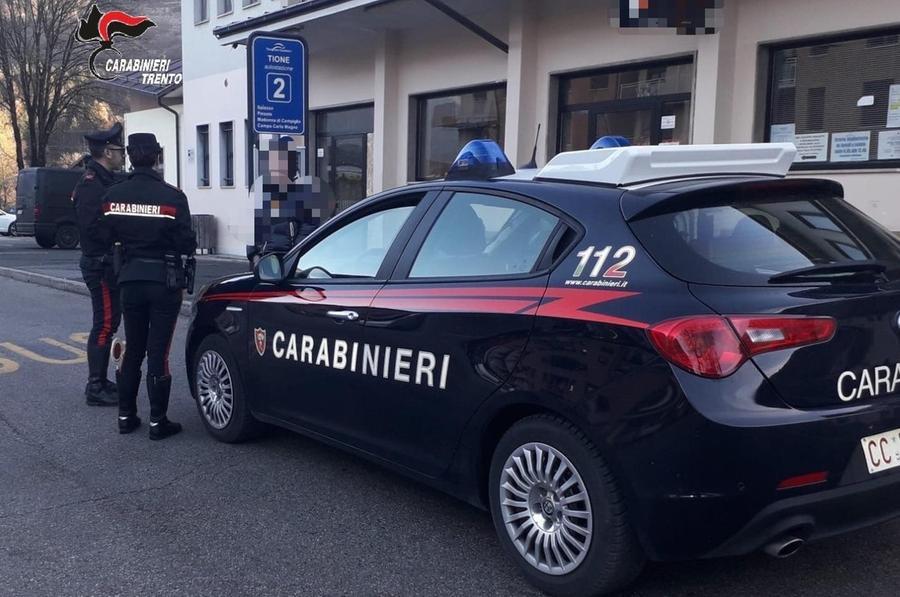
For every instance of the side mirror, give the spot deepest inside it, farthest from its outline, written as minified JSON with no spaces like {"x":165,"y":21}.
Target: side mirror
{"x":269,"y":269}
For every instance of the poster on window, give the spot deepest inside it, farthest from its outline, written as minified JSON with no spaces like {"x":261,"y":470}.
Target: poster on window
{"x":812,"y":147}
{"x":782,"y":133}
{"x":850,"y":147}
{"x":893,"y":115}
{"x":889,"y":145}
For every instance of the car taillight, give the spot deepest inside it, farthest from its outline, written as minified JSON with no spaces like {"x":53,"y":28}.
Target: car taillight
{"x":37,"y":212}
{"x":765,"y":334}
{"x":713,"y":346}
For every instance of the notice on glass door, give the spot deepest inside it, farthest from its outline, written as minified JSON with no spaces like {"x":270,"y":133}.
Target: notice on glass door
{"x":667,"y":122}
{"x":893,"y":115}
{"x":782,"y":133}
{"x":812,"y":147}
{"x":889,"y":145}
{"x":850,"y":147}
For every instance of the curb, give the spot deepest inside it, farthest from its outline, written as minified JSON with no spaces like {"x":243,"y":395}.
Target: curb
{"x":64,"y":284}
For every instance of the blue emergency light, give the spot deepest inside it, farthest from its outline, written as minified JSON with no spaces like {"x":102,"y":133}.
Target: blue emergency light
{"x":610,"y":142}
{"x":480,"y":160}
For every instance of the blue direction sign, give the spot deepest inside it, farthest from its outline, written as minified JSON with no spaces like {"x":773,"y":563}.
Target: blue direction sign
{"x":277,"y":86}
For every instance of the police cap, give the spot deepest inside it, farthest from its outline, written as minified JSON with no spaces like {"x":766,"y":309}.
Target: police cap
{"x":145,"y":142}
{"x":112,"y":136}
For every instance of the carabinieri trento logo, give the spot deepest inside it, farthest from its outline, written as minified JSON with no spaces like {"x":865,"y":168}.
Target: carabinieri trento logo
{"x":103,"y":28}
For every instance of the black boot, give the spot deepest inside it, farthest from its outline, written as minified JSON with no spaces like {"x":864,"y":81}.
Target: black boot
{"x":128,"y":390}
{"x":96,"y":393}
{"x":159,"y":388}
{"x":99,"y":391}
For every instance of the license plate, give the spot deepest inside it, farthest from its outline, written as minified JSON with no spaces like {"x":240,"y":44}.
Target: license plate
{"x":882,"y":451}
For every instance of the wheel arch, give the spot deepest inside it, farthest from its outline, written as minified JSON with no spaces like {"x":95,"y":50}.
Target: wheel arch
{"x":199,"y":333}
{"x":498,"y":424}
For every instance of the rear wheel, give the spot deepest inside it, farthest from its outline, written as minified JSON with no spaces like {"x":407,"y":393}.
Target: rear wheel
{"x":558,"y":512}
{"x":67,"y":236}
{"x":13,"y":231}
{"x":44,"y":240}
{"x":221,"y":400}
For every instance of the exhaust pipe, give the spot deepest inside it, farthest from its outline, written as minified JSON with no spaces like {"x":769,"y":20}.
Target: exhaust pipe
{"x":784,"y":547}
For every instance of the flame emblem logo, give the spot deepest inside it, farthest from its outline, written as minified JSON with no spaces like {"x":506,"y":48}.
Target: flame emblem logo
{"x":105,"y":27}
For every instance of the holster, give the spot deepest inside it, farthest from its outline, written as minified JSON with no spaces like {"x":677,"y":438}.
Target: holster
{"x":175,"y":274}
{"x":118,"y":258}
{"x":190,"y":272}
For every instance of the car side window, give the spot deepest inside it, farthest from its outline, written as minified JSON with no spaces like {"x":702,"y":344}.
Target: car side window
{"x":355,"y":250}
{"x":484,"y":235}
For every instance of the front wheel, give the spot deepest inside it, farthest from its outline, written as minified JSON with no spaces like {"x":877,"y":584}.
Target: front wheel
{"x":45,"y":241}
{"x":13,"y":230}
{"x":67,"y":237}
{"x":558,"y":512}
{"x":220,"y":394}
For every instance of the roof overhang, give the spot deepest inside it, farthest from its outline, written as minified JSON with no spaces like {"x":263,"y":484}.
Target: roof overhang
{"x":289,"y":17}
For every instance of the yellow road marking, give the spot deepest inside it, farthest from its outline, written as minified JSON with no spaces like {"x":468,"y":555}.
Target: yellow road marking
{"x":80,"y":355}
{"x":80,"y":337}
{"x":7,"y":366}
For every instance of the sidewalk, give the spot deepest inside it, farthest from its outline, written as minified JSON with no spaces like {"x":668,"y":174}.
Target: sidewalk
{"x":22,"y":259}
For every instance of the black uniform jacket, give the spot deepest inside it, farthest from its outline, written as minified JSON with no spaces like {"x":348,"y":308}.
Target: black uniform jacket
{"x":88,"y":199}
{"x":150,"y":219}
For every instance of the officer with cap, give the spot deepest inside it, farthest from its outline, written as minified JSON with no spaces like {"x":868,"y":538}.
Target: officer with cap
{"x":107,"y":156}
{"x":150,"y":222}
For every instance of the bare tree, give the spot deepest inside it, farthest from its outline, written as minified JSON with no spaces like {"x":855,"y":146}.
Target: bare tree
{"x":44,"y":78}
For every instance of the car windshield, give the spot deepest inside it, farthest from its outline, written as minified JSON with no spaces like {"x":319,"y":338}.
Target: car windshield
{"x":750,"y":243}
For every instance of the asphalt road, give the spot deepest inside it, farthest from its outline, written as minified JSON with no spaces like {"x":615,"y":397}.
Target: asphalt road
{"x":24,"y":254}
{"x":85,"y":511}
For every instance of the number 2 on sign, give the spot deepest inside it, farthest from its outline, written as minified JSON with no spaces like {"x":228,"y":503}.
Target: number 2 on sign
{"x":625,"y":255}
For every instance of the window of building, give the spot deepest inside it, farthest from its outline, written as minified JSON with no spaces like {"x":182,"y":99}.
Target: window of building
{"x":482,"y":235}
{"x":446,"y":122}
{"x":344,"y":151}
{"x":837,"y":100}
{"x":648,"y":105}
{"x":201,"y":11}
{"x":249,"y":3}
{"x":224,"y":7}
{"x":203,"y":155}
{"x":226,"y":153}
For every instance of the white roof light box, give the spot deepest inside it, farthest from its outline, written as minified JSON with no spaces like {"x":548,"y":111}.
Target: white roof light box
{"x":630,"y":165}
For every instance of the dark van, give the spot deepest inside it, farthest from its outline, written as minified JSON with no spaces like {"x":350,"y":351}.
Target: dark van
{"x":44,"y":206}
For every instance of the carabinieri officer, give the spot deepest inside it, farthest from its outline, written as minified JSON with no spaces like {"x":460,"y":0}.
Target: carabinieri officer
{"x":151,"y":222}
{"x":107,"y":157}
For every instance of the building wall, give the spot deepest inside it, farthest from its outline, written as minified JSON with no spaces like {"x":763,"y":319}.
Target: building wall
{"x":162,"y":124}
{"x":353,"y":61}
{"x":766,"y":21}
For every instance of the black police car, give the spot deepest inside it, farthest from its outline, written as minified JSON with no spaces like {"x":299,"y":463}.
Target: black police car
{"x":636,"y":353}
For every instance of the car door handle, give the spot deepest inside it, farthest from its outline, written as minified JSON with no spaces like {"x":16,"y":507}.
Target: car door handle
{"x":344,"y":315}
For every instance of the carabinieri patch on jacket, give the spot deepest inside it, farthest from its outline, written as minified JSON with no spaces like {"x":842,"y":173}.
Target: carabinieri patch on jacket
{"x":140,"y":210}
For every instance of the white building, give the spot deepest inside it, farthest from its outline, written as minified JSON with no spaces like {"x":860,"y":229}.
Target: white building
{"x":397,"y":86}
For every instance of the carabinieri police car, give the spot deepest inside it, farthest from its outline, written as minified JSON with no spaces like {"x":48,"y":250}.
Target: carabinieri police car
{"x":632,"y":353}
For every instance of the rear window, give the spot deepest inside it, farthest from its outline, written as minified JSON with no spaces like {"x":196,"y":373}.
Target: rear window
{"x":748,"y":243}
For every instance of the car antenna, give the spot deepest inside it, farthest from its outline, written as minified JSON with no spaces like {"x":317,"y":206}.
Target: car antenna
{"x":533,"y":163}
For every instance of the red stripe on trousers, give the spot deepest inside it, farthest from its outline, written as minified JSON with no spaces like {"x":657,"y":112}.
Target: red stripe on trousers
{"x":103,"y":336}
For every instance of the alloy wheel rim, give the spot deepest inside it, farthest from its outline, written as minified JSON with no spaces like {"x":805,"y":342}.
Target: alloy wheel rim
{"x":546,"y":508}
{"x":215,"y":389}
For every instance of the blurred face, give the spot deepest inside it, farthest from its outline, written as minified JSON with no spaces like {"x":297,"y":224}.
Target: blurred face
{"x":115,"y":155}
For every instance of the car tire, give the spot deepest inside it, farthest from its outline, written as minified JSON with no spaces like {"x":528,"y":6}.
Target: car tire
{"x":532,"y":501}
{"x":67,"y":237}
{"x":12,"y":230}
{"x":45,"y":241}
{"x":219,"y":392}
